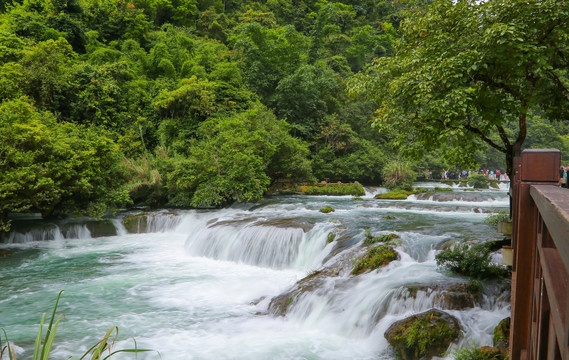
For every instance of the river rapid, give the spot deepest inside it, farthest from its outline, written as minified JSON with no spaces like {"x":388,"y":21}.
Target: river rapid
{"x":197,"y":284}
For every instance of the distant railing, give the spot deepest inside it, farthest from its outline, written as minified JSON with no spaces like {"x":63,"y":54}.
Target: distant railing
{"x":540,"y":291}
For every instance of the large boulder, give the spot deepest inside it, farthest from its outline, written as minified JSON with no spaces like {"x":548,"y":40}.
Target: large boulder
{"x":424,"y":335}
{"x":502,"y":336}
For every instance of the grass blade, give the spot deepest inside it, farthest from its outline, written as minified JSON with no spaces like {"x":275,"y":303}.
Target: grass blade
{"x":49,"y":343}
{"x":104,"y":343}
{"x":47,"y":335}
{"x":38,"y":339}
{"x":11,"y":355}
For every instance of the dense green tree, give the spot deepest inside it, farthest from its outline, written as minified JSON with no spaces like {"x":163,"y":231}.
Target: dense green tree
{"x":464,"y":70}
{"x":54,"y":168}
{"x":233,"y":159}
{"x":306,"y":96}
{"x":268,"y":55}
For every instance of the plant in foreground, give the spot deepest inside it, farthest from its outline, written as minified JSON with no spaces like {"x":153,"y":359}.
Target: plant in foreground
{"x":43,"y":349}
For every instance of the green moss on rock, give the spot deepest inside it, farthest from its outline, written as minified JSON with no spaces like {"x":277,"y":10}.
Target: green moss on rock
{"x":382,"y":239}
{"x":375,"y":257}
{"x":502,"y":335}
{"x":394,"y":195}
{"x":354,"y":189}
{"x":331,"y":237}
{"x":423,"y":335}
{"x":327,"y":209}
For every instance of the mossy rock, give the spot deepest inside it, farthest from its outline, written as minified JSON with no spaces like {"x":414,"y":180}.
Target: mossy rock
{"x":357,"y":199}
{"x":424,"y":335}
{"x":331,"y":237}
{"x":323,"y":188}
{"x":445,"y":296}
{"x":442,"y":189}
{"x":382,"y":239}
{"x":394,"y":195}
{"x":136,"y":224}
{"x":327,"y":209}
{"x":502,"y":335}
{"x":101,"y":228}
{"x":374,"y":258}
{"x":389,"y":217}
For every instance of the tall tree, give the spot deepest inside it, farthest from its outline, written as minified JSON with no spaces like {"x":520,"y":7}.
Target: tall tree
{"x":464,"y":70}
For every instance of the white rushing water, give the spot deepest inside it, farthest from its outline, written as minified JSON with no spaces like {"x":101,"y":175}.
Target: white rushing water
{"x":197,"y":284}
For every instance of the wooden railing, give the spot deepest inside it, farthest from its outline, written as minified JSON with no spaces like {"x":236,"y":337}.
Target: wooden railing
{"x":540,"y":291}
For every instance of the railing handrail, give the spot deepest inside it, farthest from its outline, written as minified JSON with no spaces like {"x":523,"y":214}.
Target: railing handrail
{"x":552,"y":203}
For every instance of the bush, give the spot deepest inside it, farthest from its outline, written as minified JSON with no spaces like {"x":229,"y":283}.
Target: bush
{"x":470,"y":261}
{"x":478,"y":181}
{"x":474,"y":286}
{"x":398,"y":175}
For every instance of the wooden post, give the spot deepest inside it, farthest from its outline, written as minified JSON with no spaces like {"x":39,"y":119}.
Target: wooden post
{"x":536,"y":167}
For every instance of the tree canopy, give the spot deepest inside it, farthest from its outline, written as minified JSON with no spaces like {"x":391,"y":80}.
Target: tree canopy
{"x":465,"y":71}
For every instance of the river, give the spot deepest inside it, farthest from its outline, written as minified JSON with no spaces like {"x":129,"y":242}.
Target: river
{"x":197,"y":284}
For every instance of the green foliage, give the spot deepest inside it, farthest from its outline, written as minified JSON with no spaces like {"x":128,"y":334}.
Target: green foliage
{"x":473,"y":352}
{"x":375,"y":257}
{"x":233,"y":159}
{"x":459,"y":90}
{"x":473,"y":261}
{"x":494,"y":219}
{"x":355,"y":189}
{"x":397,"y":175}
{"x":55,"y":168}
{"x":478,"y":181}
{"x":474,"y":286}
{"x":327,"y":209}
{"x":166,"y":83}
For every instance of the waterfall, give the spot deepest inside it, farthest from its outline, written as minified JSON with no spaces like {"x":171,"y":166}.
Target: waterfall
{"x":259,"y":244}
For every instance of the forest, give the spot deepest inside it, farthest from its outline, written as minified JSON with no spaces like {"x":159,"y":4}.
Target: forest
{"x":107,"y":104}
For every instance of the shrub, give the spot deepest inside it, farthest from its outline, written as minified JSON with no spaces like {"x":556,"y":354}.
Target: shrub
{"x":478,"y":181}
{"x":398,"y":175}
{"x":474,"y":286}
{"x":470,"y":261}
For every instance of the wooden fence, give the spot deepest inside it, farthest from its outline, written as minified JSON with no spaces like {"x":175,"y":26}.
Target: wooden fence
{"x":540,"y":214}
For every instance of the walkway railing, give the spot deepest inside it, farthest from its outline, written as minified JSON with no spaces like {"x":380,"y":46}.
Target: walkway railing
{"x":540,"y":291}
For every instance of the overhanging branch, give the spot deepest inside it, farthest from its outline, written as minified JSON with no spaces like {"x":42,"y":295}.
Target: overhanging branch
{"x":487,"y":140}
